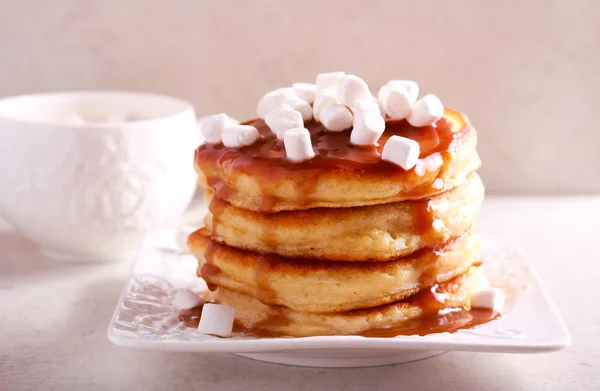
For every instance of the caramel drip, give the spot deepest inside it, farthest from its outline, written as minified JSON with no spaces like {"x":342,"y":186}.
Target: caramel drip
{"x":423,"y":216}
{"x":264,"y":292}
{"x":266,"y":159}
{"x":208,"y":270}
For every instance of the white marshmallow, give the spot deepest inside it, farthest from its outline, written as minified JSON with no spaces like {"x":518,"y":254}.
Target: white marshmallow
{"x":283,"y":118}
{"x":368,"y":124}
{"x":212,"y":127}
{"x":237,"y":136}
{"x":401,"y":151}
{"x":328,"y":80}
{"x":217,"y":319}
{"x":324,"y":98}
{"x":185,"y":299}
{"x":410,"y":86}
{"x":274,"y":98}
{"x":302,"y":107}
{"x":298,"y":146}
{"x":305,"y":91}
{"x":351,"y":88}
{"x":426,"y":111}
{"x":397,"y":103}
{"x":438,"y":184}
{"x":336,"y":117}
{"x":488,"y":298}
{"x":430,"y":163}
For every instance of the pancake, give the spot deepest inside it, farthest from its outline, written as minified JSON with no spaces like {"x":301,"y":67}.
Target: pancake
{"x":317,"y":286}
{"x":260,"y":177}
{"x":257,"y":318}
{"x":367,"y":233}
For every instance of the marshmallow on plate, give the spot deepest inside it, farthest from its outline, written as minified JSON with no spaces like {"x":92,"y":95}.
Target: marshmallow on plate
{"x":237,"y":136}
{"x":488,"y":298}
{"x":283,"y":118}
{"x":401,"y":151}
{"x":336,"y":117}
{"x":212,"y":127}
{"x":324,"y":98}
{"x":298,"y":146}
{"x":426,"y":111}
{"x":368,"y":124}
{"x":302,"y":107}
{"x":185,"y":299}
{"x":305,"y":91}
{"x":274,"y":98}
{"x":328,"y":80}
{"x":217,"y":319}
{"x":351,"y":88}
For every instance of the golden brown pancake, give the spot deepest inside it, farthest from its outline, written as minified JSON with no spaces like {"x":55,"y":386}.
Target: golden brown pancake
{"x":317,"y":286}
{"x":260,"y":177}
{"x":259,"y":318}
{"x":367,"y":233}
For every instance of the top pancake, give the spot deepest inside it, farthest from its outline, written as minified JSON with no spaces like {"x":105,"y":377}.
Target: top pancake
{"x":260,"y":177}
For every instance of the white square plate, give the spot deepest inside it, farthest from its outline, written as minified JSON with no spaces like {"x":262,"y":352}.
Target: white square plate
{"x":144,"y":318}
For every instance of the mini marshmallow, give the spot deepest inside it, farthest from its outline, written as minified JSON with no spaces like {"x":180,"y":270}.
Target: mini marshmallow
{"x":401,"y":151}
{"x":305,"y":91}
{"x":368,"y":124}
{"x":298,"y":146}
{"x":302,"y":107}
{"x":488,"y":298}
{"x":336,"y":117}
{"x":185,"y":299}
{"x":274,"y":98}
{"x":324,"y":98}
{"x":212,"y":127}
{"x":410,"y":86}
{"x":438,"y":184}
{"x":217,"y":319}
{"x":426,"y":111}
{"x":430,"y":163}
{"x":237,"y":136}
{"x":438,"y":225}
{"x":351,"y":88}
{"x":283,"y":118}
{"x":328,"y":80}
{"x":397,"y":103}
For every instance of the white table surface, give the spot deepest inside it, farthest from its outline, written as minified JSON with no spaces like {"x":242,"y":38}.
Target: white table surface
{"x":54,"y":317}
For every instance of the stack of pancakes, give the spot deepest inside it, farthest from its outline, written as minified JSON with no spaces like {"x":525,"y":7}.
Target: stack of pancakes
{"x":345,"y":243}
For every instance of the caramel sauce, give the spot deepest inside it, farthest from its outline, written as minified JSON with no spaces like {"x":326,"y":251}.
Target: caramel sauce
{"x":266,"y":158}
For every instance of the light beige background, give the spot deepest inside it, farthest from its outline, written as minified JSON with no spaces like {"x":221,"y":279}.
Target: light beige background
{"x":526,"y":72}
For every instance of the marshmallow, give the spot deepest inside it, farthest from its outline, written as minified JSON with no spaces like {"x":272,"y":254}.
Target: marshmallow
{"x":397,"y":103}
{"x":323,"y":99}
{"x":351,"y":88}
{"x":401,"y":151}
{"x":328,"y":80}
{"x":212,"y":127}
{"x":283,"y":118}
{"x":185,"y":299}
{"x":411,"y":87}
{"x":305,"y":91}
{"x":274,"y":98}
{"x":336,"y":117}
{"x":368,"y":124}
{"x":426,"y":111}
{"x":217,"y":319}
{"x":438,"y":184}
{"x":488,"y":298}
{"x":237,"y":136}
{"x":302,"y":107}
{"x":298,"y":146}
{"x":430,"y":163}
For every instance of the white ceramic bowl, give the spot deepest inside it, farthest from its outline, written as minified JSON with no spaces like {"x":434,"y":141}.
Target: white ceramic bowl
{"x":93,"y":190}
